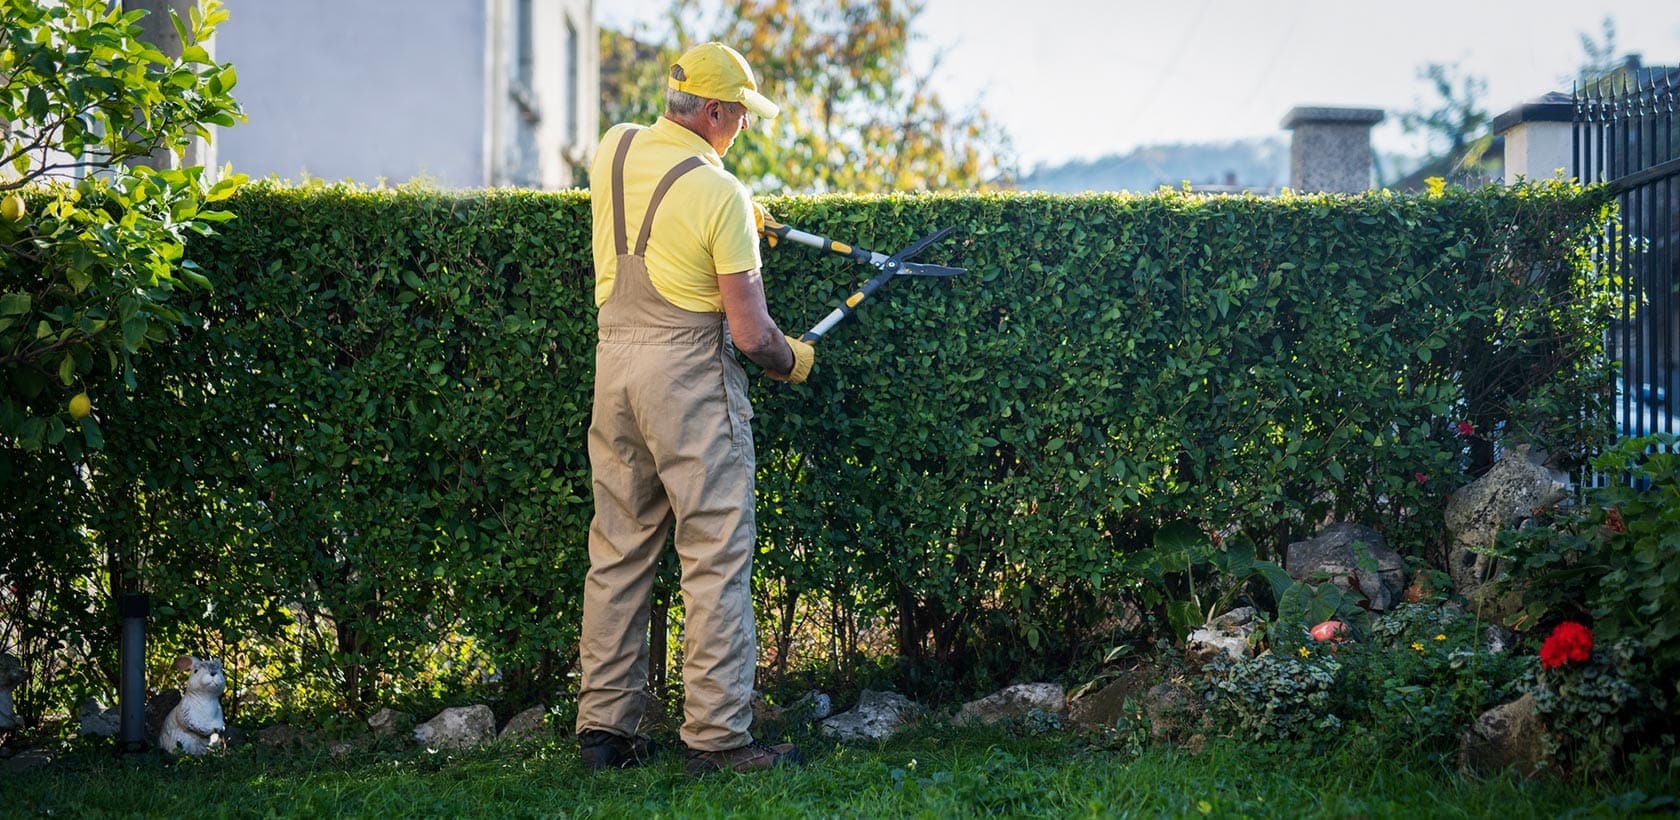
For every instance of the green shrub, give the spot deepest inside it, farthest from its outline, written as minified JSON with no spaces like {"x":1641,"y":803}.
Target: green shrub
{"x":1414,"y":677}
{"x":1599,"y":711}
{"x":363,"y":474}
{"x":1611,"y":559}
{"x":1425,"y":674}
{"x":1273,"y":697}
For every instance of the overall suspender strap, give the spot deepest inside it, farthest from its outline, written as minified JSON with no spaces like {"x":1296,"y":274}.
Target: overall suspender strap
{"x":620,"y":232}
{"x":665,"y":184}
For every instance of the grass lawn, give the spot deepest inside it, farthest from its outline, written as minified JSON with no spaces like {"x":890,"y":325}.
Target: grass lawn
{"x":934,"y":773}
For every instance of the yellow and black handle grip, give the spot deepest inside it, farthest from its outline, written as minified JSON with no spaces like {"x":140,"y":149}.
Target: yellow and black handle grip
{"x":776,"y":232}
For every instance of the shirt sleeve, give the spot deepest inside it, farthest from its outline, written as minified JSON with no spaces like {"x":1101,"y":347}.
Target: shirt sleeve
{"x":735,"y":240}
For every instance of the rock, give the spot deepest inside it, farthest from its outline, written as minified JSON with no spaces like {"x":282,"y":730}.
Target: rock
{"x":98,"y":721}
{"x":532,"y":722}
{"x":1240,"y":619}
{"x":25,"y":760}
{"x":1497,"y":603}
{"x":1510,"y":736}
{"x":1104,"y":708}
{"x":878,"y":716}
{"x":1013,"y":703}
{"x":814,"y":706}
{"x":1335,"y":552}
{"x":459,"y":727}
{"x":1498,"y":639}
{"x":388,"y":722}
{"x":158,"y":708}
{"x":280,"y":735}
{"x":1226,"y":636}
{"x":1507,"y":495}
{"x":810,"y":708}
{"x":1171,"y":709}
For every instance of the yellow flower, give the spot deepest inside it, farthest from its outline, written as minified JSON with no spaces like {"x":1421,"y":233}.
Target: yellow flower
{"x":1440,"y":637}
{"x":1417,"y":646}
{"x":1304,"y":652}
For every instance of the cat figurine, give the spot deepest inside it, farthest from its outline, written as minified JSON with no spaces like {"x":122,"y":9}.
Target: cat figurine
{"x":195,"y":725}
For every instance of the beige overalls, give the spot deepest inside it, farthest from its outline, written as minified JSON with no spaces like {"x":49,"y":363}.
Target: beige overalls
{"x":669,"y":445}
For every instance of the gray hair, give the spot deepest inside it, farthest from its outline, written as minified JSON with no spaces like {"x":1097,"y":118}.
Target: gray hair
{"x":682,"y":103}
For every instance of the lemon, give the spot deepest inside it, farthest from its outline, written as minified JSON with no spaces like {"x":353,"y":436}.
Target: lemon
{"x":80,"y":406}
{"x":12,"y":208}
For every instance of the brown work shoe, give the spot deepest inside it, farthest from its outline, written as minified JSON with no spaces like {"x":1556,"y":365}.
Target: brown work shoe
{"x":605,"y":750}
{"x":752,"y":757}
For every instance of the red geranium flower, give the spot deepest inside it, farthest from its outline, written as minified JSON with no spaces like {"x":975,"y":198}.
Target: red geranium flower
{"x":1570,"y":642}
{"x":1466,"y":429}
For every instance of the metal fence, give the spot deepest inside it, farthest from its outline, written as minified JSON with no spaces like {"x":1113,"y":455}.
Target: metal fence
{"x":1626,"y":135}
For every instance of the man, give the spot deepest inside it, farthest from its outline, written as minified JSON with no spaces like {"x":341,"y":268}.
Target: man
{"x":669,"y":442}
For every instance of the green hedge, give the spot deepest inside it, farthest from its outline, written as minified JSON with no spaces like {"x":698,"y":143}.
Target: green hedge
{"x":373,"y":450}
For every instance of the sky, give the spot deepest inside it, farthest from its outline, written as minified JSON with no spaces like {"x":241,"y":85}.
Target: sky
{"x":1081,"y":79}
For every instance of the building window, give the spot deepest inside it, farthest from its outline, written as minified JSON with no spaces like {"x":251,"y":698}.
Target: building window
{"x":521,"y":87}
{"x":524,"y":57}
{"x":522,"y":163}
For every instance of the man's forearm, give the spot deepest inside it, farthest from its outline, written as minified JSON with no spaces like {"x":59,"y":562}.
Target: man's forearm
{"x":768,"y":350}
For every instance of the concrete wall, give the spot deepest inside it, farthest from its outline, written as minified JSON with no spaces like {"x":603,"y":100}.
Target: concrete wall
{"x":398,"y":89}
{"x":1539,"y":137}
{"x":364,"y":90}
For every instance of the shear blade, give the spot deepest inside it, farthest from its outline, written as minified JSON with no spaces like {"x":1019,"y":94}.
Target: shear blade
{"x":916,"y":269}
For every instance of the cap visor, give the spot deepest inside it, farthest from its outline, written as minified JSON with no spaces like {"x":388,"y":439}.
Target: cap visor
{"x":758,"y":104}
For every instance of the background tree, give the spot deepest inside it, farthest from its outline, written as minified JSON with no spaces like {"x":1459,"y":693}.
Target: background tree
{"x":857,"y":116}
{"x":1455,"y":120}
{"x":1600,"y":58}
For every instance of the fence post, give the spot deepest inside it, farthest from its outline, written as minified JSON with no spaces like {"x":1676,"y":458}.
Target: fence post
{"x":1538,"y":137}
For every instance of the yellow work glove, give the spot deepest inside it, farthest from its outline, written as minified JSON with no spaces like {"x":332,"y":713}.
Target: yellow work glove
{"x":766,"y":223}
{"x":804,"y":356}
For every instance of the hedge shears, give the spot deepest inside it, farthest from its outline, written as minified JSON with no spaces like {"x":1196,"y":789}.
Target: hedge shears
{"x":889,"y":265}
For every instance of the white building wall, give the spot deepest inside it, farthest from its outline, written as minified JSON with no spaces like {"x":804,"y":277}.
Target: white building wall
{"x":391,"y":90}
{"x":358,"y":89}
{"x":541,"y":132}
{"x":1538,"y":150}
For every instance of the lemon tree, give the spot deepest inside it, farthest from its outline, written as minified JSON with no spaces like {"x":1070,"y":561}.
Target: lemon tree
{"x":92,"y":263}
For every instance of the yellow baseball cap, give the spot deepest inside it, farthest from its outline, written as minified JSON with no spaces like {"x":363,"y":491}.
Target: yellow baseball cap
{"x":717,"y":72}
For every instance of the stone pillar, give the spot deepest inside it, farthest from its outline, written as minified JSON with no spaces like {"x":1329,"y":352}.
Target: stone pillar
{"x":1330,"y":151}
{"x":158,"y":29}
{"x":1538,"y":137}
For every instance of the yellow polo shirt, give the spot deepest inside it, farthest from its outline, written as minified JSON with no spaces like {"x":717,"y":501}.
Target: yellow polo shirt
{"x":704,"y":227}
